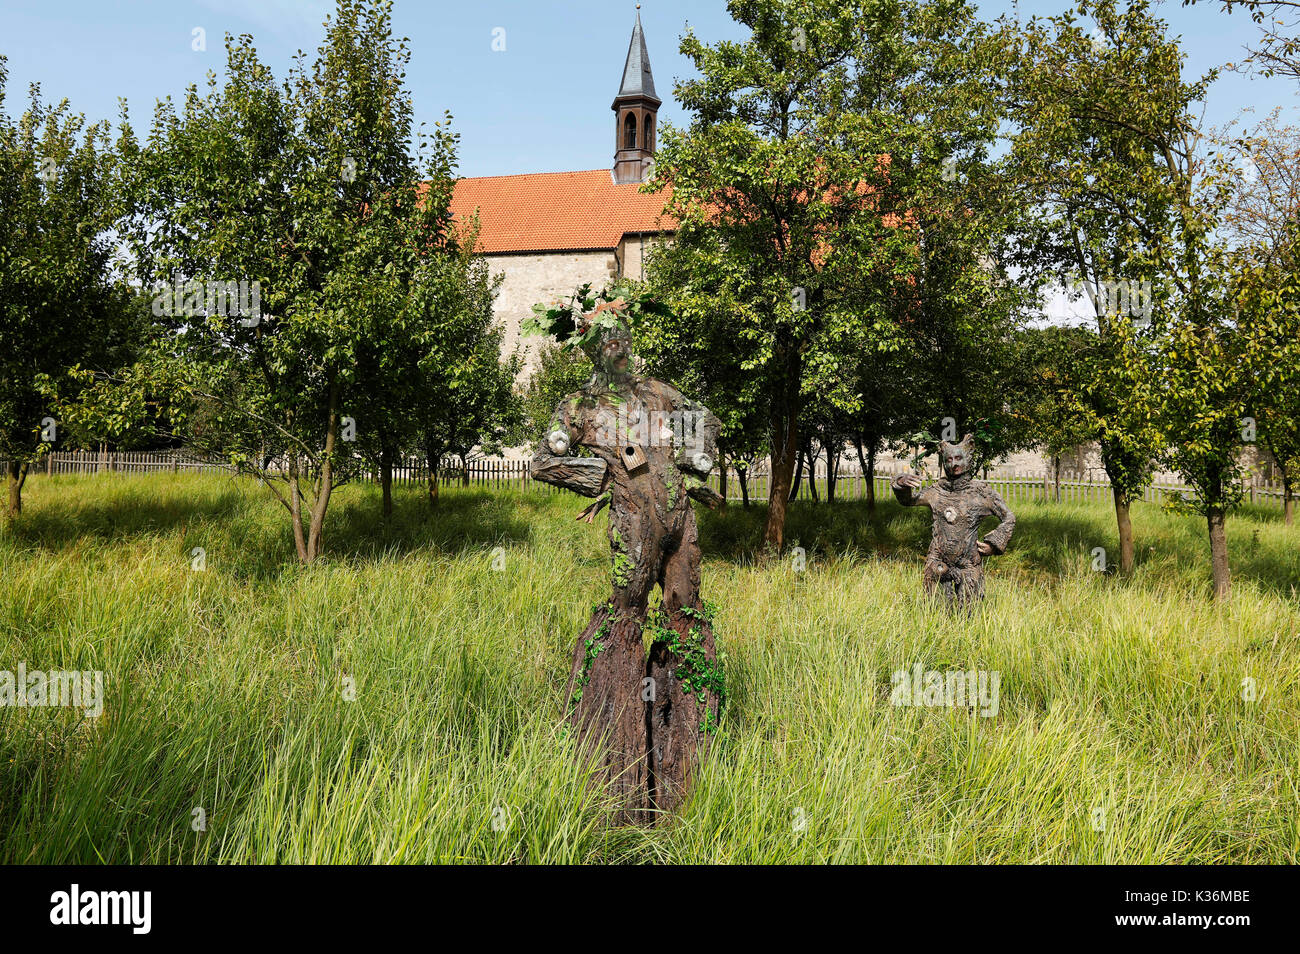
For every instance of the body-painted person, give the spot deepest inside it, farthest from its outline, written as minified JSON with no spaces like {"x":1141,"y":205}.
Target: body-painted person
{"x":958,"y":503}
{"x":651,"y":448}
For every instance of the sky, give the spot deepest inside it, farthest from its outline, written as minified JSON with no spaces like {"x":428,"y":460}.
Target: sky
{"x":540,"y":104}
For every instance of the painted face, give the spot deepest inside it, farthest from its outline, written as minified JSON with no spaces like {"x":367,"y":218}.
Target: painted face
{"x":956,"y":459}
{"x":614,"y":355}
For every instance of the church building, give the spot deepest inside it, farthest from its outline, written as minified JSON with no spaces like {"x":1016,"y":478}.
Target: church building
{"x":549,"y":232}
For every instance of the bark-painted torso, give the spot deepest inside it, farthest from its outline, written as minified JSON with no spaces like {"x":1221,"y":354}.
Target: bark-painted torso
{"x":644,"y":414}
{"x":651,"y":449}
{"x":957,"y":508}
{"x":958,"y":504}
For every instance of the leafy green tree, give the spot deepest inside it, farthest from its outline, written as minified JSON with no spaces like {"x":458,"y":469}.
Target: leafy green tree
{"x":881,"y":411}
{"x":432,"y":371}
{"x":558,"y":374}
{"x":476,"y":407}
{"x":781,"y":185}
{"x":1263,"y":220}
{"x":1052,"y":355}
{"x":467,"y":396}
{"x":307,"y":192}
{"x":1109,"y":141}
{"x":61,"y":307}
{"x":1268,"y":300}
{"x":689,"y":346}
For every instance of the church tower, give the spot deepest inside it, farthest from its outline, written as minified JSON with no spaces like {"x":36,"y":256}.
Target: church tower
{"x":635,"y":108}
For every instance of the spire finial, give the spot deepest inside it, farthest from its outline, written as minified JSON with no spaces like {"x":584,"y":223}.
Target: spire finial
{"x":637,"y":78}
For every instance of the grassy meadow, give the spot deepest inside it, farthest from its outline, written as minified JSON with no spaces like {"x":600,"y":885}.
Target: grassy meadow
{"x":401,"y":701}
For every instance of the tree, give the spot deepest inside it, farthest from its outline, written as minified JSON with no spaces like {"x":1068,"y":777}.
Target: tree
{"x":780,"y":185}
{"x":1110,"y":143}
{"x":687,"y":345}
{"x":558,"y":373}
{"x":881,"y":411}
{"x":1263,"y":220}
{"x":435,"y":383}
{"x":1053,"y":355}
{"x":477,"y":406}
{"x":305,"y":195}
{"x":61,"y":306}
{"x":1268,"y":298}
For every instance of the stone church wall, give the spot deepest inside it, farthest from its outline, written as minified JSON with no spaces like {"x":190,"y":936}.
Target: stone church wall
{"x":532,"y":278}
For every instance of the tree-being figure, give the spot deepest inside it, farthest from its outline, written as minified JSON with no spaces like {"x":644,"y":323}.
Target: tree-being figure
{"x":957,"y":502}
{"x":651,"y":448}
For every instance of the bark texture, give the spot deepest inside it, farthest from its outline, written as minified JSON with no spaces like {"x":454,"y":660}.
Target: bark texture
{"x":1222,"y":575}
{"x":954,"y":565}
{"x":1125,"y":532}
{"x":648,"y":716}
{"x":17,"y":476}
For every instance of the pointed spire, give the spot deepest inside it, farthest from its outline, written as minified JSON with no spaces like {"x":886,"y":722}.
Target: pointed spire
{"x":638,"y":81}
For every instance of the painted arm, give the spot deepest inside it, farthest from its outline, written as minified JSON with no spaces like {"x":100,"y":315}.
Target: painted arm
{"x":907,"y":488}
{"x":1001,"y":536}
{"x":553,"y":465}
{"x":699,"y":436}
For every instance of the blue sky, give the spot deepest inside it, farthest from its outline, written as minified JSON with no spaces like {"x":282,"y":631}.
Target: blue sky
{"x":541,"y":104}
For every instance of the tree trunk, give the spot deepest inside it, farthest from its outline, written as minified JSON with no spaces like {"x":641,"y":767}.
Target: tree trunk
{"x":464,"y":471}
{"x":1056,"y":472}
{"x":1125,"y":531}
{"x":797,"y":477}
{"x":386,"y":482}
{"x":783,"y":461}
{"x":868,"y":465}
{"x":1219,"y":554}
{"x":315,"y":535}
{"x":810,"y":460}
{"x":17,"y":477}
{"x":1288,"y":502}
{"x":433,"y":458}
{"x":295,"y":507}
{"x":832,"y":474}
{"x":742,"y":475}
{"x":722,"y":476}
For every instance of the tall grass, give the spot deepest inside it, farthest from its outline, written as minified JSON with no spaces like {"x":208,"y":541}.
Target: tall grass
{"x":401,"y":701}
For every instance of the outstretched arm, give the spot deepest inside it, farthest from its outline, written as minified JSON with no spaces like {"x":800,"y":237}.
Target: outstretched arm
{"x":553,"y":465}
{"x":907,"y":488}
{"x":697,"y":435}
{"x":998,"y":540}
{"x":696,"y":432}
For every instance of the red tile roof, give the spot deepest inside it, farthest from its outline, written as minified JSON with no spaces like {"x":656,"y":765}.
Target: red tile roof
{"x":557,"y":211}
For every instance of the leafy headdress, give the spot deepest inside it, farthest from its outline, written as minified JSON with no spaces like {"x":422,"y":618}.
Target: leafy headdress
{"x":586,"y":320}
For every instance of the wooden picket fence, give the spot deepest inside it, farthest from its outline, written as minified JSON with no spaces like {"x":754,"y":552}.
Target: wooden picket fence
{"x":1015,"y":487}
{"x":489,"y":471}
{"x":125,"y":462}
